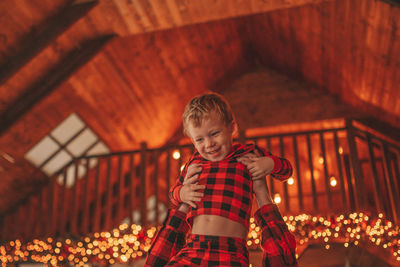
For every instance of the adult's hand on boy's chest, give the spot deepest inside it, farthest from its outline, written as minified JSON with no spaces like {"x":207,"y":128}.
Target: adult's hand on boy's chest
{"x":192,"y":173}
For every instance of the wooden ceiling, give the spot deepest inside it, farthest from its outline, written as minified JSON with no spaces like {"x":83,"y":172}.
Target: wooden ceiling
{"x":127,"y":68}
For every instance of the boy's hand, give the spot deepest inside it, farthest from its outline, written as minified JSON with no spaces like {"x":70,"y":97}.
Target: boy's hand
{"x":188,"y":192}
{"x":259,"y":167}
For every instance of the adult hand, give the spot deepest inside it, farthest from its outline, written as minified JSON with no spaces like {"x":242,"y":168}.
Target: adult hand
{"x":189,"y":192}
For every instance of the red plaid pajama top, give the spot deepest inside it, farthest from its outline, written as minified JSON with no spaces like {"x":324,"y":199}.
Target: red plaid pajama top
{"x":228,"y":191}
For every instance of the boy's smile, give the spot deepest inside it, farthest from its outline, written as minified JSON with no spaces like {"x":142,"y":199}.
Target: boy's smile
{"x":213,"y":138}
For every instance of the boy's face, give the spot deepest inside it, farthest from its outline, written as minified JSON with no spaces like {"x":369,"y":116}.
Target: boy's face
{"x":213,"y":138}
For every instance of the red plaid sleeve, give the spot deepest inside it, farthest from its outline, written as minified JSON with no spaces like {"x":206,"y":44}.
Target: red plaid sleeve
{"x":278,"y":243}
{"x":169,"y":240}
{"x":282,"y":167}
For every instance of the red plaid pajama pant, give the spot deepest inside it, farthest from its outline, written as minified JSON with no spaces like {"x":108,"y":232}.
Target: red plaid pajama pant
{"x":278,"y":243}
{"x":206,"y":250}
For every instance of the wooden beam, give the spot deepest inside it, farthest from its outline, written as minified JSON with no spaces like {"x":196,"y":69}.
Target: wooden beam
{"x":392,"y":2}
{"x":35,"y":41}
{"x":49,"y":82}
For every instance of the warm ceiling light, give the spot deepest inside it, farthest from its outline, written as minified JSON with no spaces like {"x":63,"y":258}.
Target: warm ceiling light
{"x":277,"y":198}
{"x":333,"y":181}
{"x":290,"y":181}
{"x":340,"y":150}
{"x":176,"y":154}
{"x":7,"y":157}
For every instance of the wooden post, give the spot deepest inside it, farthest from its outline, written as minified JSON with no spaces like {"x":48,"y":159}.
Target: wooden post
{"x":108,"y":190}
{"x":121,"y":191}
{"x":51,"y":215}
{"x":326,"y":173}
{"x":355,"y":163}
{"x":392,"y":190}
{"x":143,"y":208}
{"x":85,"y":208}
{"x":298,"y":174}
{"x":155,"y":183}
{"x":285,"y":189}
{"x":74,"y":202}
{"x":375,"y":179}
{"x":311,"y":167}
{"x":350,"y":184}
{"x":96,"y":216}
{"x":63,"y":203}
{"x":131,"y":187}
{"x":339,"y":165}
{"x":167,"y":173}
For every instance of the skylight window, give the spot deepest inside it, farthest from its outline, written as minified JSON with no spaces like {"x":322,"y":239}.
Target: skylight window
{"x":71,"y":139}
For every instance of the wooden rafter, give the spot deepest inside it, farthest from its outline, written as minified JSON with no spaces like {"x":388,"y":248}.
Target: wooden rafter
{"x":58,"y":74}
{"x":36,"y":41}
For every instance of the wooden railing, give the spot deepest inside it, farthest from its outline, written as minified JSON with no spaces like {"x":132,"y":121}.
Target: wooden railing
{"x":103,"y":191}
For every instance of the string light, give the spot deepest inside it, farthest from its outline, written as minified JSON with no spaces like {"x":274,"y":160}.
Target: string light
{"x":277,"y":198}
{"x":126,"y":244}
{"x":290,"y":181}
{"x":333,"y":181}
{"x":176,"y":154}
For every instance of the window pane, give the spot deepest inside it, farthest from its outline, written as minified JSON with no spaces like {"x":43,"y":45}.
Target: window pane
{"x":42,"y":151}
{"x":82,"y":142}
{"x":56,"y":163}
{"x":68,"y":128}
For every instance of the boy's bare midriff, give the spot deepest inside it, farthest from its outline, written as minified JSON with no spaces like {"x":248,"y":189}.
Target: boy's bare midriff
{"x":218,"y":225}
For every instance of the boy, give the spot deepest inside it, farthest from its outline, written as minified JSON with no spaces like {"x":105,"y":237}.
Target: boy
{"x":217,"y":183}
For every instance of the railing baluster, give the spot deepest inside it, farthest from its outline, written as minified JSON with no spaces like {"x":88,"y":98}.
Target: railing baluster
{"x":131,"y":187}
{"x":51,"y":221}
{"x":63,"y":202}
{"x":143,"y":208}
{"x":310,"y":165}
{"x":339,"y":165}
{"x":108,"y":193}
{"x":74,"y":215}
{"x":121,"y":187}
{"x":392,"y":191}
{"x":326,"y":173}
{"x":285,"y":186}
{"x":96,"y":216}
{"x":85,"y":208}
{"x":355,"y":163}
{"x":155,"y":184}
{"x":350,"y":184}
{"x":298,"y":175}
{"x":167,"y":174}
{"x":378,"y":192}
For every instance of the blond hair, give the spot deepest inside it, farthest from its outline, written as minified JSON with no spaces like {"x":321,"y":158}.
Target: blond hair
{"x":201,"y":106}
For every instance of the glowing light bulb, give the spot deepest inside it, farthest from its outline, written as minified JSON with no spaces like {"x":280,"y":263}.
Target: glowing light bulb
{"x":333,"y":181}
{"x":176,"y":154}
{"x":340,"y":150}
{"x":321,"y":160}
{"x":290,"y":181}
{"x":277,"y":198}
